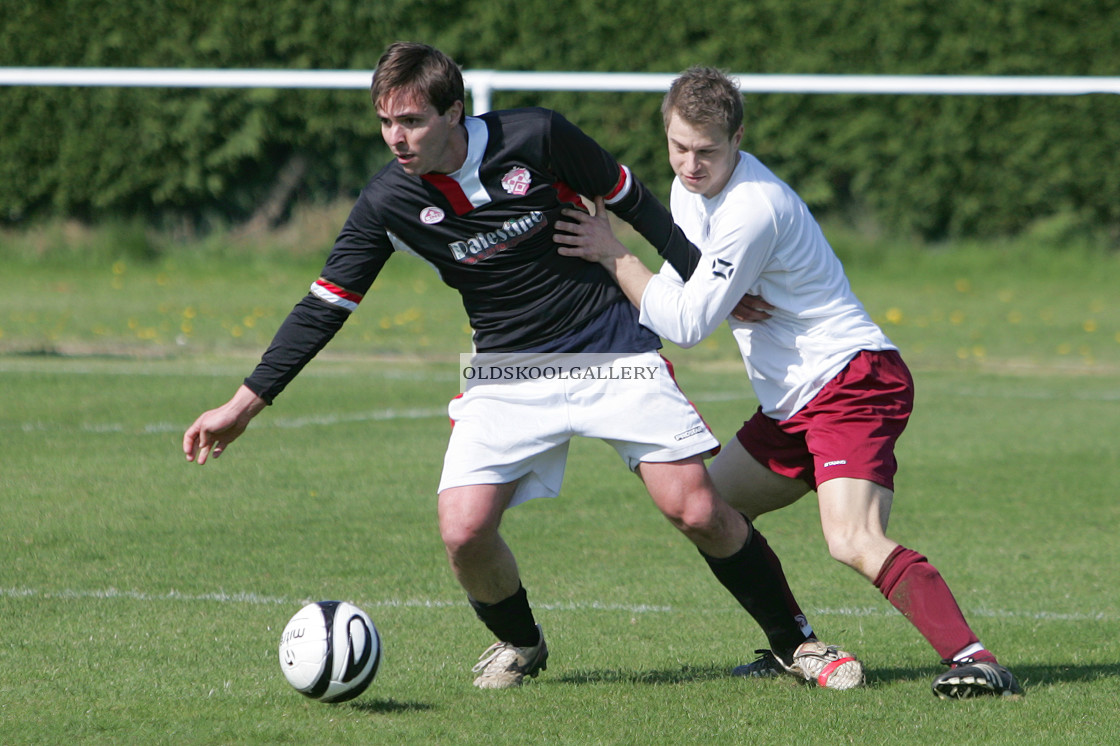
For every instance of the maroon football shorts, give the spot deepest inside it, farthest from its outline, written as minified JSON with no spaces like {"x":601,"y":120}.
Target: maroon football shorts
{"x":849,"y":428}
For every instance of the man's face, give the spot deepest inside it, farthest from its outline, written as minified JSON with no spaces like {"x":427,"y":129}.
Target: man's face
{"x":702,"y":156}
{"x":422,"y":140}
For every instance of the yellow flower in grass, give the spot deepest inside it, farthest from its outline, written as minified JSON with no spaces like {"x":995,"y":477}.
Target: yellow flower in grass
{"x":407,"y":317}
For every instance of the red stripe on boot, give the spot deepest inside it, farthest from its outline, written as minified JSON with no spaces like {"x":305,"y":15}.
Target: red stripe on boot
{"x":827,"y":670}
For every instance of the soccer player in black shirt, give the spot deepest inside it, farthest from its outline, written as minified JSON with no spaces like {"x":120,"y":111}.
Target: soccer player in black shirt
{"x":477,"y":198}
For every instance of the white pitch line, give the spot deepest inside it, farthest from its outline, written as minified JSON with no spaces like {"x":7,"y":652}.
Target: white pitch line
{"x":415,"y":413}
{"x":331,"y":368}
{"x":159,"y":428}
{"x":1039,"y":395}
{"x":322,"y":420}
{"x":436,"y":371}
{"x":113,"y":593}
{"x":256,"y":599}
{"x":1055,"y":616}
{"x":374,"y":416}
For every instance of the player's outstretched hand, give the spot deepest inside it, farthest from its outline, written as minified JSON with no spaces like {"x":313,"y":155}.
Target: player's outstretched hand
{"x":215,"y":429}
{"x":751,"y":308}
{"x":589,"y":236}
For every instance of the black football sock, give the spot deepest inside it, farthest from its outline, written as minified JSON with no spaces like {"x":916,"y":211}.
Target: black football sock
{"x":755,"y":578}
{"x":511,"y":619}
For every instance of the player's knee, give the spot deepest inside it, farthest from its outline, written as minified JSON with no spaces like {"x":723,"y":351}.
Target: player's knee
{"x":689,"y":524}
{"x":461,"y":538}
{"x":855,"y":549}
{"x":843,"y":553}
{"x":695,"y":517}
{"x":843,"y":542}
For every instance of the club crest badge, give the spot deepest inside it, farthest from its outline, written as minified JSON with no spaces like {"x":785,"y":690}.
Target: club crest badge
{"x":516,"y":182}
{"x":431,"y":215}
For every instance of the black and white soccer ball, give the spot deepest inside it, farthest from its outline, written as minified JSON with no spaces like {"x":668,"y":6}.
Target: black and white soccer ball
{"x":330,"y":651}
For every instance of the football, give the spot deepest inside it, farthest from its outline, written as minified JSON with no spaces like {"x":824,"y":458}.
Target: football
{"x":330,"y":651}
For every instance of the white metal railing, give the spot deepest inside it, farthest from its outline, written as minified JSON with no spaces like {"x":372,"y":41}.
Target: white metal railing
{"x":482,"y":83}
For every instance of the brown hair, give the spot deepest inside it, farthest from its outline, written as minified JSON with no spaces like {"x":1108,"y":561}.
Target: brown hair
{"x":704,"y":96}
{"x":420,"y":70}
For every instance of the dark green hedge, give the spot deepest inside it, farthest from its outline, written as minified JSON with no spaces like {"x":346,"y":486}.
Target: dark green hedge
{"x":934,"y":166}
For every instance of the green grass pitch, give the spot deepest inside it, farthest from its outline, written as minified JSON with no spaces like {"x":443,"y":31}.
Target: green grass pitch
{"x":142,"y":598}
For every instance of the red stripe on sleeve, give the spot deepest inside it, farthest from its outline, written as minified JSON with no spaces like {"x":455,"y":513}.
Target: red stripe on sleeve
{"x":618,"y":186}
{"x":341,"y":292}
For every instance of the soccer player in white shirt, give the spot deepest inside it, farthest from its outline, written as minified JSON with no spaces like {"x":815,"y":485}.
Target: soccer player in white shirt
{"x":834,"y":393}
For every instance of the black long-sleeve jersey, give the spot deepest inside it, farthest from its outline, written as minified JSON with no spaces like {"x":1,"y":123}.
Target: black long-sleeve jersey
{"x":487,"y":229}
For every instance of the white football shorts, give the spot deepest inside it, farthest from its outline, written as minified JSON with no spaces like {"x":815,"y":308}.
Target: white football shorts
{"x":518,"y":413}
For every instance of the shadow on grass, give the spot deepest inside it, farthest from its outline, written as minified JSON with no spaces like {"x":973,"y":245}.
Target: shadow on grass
{"x":388,"y":706}
{"x":1028,"y":675}
{"x":661,"y":676}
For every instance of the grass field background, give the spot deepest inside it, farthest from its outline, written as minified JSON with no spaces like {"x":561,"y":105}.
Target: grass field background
{"x":142,"y":598}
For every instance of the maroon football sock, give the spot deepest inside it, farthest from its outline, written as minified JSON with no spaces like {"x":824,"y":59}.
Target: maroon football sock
{"x":916,"y":588}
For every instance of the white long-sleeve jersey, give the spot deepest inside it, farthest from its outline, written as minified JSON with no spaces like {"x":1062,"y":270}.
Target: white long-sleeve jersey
{"x":757,"y":236}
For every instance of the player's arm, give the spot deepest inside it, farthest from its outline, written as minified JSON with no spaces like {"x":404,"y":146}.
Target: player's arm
{"x":734,"y":257}
{"x":359,"y":253}
{"x":310,"y":325}
{"x":305,"y":331}
{"x":589,"y":169}
{"x":638,"y":207}
{"x":682,"y":312}
{"x":215,"y":429}
{"x":591,"y":237}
